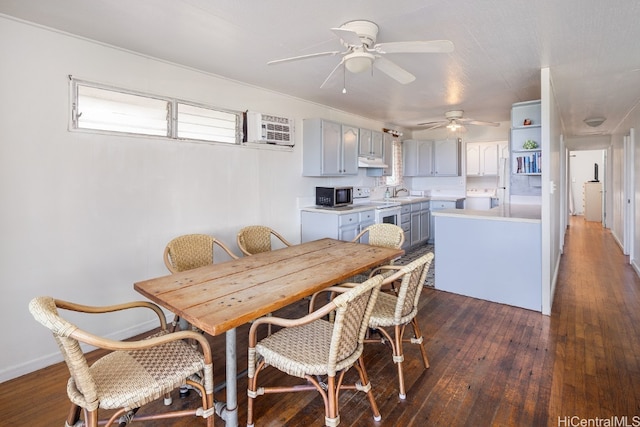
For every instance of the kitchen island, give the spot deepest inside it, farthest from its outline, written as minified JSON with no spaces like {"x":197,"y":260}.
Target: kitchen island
{"x":495,"y":254}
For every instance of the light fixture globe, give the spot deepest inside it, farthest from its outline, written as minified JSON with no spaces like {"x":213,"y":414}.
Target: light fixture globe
{"x":595,"y":121}
{"x":358,"y":61}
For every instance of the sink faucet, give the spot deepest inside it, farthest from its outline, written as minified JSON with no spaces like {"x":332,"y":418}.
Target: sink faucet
{"x":397,"y":190}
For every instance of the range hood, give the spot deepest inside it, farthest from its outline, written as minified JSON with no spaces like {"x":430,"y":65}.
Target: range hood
{"x":370,"y":162}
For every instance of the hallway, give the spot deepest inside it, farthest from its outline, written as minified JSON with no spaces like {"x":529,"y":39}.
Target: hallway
{"x":595,"y":328}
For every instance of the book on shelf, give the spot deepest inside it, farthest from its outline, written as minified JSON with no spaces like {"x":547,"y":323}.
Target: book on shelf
{"x":529,"y":163}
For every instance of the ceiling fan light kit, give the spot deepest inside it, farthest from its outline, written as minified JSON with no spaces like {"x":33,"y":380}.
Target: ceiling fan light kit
{"x":362,"y":53}
{"x":357,"y":62}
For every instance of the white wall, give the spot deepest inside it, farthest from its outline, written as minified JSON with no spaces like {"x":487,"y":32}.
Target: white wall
{"x":84,"y":216}
{"x":635,"y":256}
{"x":553,"y":162}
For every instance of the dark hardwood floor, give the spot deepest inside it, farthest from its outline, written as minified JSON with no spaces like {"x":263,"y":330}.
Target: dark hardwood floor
{"x":491,"y":364}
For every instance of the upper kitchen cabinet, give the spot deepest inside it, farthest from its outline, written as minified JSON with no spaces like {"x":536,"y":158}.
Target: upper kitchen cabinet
{"x":417,"y":157}
{"x":329,"y":148}
{"x":431,"y":158}
{"x":446,"y":157}
{"x":371,"y":144}
{"x":482,"y":157}
{"x":387,"y":157}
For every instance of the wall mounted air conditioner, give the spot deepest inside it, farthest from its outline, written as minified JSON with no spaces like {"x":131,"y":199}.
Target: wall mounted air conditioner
{"x":269,"y":129}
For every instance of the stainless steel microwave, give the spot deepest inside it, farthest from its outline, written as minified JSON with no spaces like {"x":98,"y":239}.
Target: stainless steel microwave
{"x":334,"y":197}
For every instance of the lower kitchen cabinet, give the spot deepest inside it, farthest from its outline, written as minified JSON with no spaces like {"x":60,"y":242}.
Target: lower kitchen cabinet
{"x":405,"y":223}
{"x":415,"y":223}
{"x":425,"y":222}
{"x":342,"y":226}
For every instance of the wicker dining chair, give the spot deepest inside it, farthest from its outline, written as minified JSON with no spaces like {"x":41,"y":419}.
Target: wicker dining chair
{"x":134,"y":373}
{"x":399,"y":310}
{"x":255,"y":239}
{"x":311,"y":347}
{"x":384,"y":235}
{"x":191,"y":251}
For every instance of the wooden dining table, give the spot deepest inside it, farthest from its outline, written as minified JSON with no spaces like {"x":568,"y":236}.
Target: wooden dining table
{"x":220,"y":297}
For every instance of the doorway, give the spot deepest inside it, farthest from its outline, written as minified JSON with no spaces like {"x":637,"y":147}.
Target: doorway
{"x":587,"y":183}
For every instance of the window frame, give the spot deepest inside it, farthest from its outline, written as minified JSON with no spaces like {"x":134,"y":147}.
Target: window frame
{"x":171,"y":116}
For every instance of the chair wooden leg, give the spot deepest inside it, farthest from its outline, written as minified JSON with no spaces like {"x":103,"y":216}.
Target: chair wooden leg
{"x":331,"y":418}
{"x":91,"y":418}
{"x":366,"y":387}
{"x":398,"y":358}
{"x":420,"y":341}
{"x":252,"y":387}
{"x":74,"y":414}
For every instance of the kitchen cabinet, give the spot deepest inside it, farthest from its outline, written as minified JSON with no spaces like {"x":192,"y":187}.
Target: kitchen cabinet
{"x":425,"y":221}
{"x":405,"y":223}
{"x":417,"y":157}
{"x":431,"y":158}
{"x":482,"y":158}
{"x":336,"y":225}
{"x":370,"y":143}
{"x":415,"y":223}
{"x":387,"y":157}
{"x":419,"y":223}
{"x":329,"y":149}
{"x":446,"y":157}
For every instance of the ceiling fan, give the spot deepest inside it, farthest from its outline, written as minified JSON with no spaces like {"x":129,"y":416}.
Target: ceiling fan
{"x":362,"y":53}
{"x":455,"y":122}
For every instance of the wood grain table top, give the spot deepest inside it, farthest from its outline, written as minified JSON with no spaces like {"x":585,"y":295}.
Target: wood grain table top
{"x":219,"y":297}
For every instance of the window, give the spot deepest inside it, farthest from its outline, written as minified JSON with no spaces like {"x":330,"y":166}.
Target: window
{"x":101,"y":108}
{"x":396,"y":175}
{"x":206,"y":124}
{"x":109,"y":110}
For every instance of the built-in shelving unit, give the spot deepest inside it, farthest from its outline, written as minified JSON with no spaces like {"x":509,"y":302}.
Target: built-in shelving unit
{"x":526,"y":161}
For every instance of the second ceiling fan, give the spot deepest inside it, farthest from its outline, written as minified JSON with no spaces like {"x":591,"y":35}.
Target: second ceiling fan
{"x":456,"y":122}
{"x":362,"y":53}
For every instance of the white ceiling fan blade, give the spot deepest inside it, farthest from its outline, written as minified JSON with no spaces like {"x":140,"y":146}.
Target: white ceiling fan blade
{"x":296,"y":58}
{"x":349,"y":37}
{"x":433,"y":125}
{"x":433,"y":46}
{"x":332,"y":73}
{"x":393,"y":70}
{"x":479,"y":123}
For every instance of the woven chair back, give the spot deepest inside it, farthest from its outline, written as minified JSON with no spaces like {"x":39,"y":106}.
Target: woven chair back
{"x":45,"y":311}
{"x":255,"y":239}
{"x":190,"y":251}
{"x":415,"y":274}
{"x":384,"y":235}
{"x":351,"y":322}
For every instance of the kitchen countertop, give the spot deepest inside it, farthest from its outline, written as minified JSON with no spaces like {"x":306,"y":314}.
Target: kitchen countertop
{"x":506,"y":212}
{"x":403,"y":200}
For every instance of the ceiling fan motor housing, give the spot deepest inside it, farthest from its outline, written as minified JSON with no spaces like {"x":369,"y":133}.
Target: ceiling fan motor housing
{"x":366,"y":30}
{"x":454,"y":114}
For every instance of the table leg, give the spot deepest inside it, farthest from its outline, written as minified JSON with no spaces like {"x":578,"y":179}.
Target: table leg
{"x":228,"y":410}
